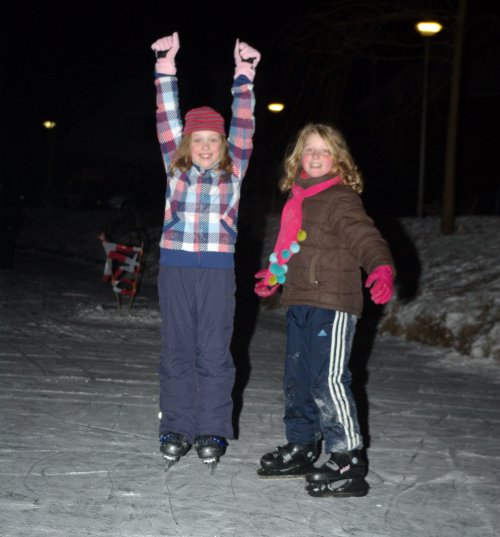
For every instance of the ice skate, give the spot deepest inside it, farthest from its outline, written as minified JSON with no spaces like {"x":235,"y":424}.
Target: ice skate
{"x":292,"y":460}
{"x":210,"y":449}
{"x":173,"y":446}
{"x":343,"y":475}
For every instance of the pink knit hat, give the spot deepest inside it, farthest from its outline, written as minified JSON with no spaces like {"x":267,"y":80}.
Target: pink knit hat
{"x":204,"y":119}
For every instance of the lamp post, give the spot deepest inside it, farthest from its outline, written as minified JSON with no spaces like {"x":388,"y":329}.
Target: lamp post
{"x":275,"y":108}
{"x":426,"y":29}
{"x":50,"y":126}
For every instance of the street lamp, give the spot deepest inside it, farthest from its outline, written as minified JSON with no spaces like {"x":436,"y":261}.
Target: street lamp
{"x":426,"y":29}
{"x":50,"y":126}
{"x":276,"y":107}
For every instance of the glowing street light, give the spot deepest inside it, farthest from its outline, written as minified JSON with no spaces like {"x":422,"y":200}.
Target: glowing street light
{"x":426,"y":29}
{"x":49,"y":124}
{"x":276,"y":107}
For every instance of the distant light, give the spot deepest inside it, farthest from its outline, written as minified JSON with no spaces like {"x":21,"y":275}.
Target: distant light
{"x":49,"y":124}
{"x":276,"y":107}
{"x":428,"y":28}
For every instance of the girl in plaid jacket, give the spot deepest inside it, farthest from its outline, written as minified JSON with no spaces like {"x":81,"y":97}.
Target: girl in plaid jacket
{"x":196,"y":278}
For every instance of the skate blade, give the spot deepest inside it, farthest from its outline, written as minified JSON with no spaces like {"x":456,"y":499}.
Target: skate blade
{"x":357,"y":487}
{"x":170,"y":460}
{"x":266,"y":474}
{"x":211,"y":463}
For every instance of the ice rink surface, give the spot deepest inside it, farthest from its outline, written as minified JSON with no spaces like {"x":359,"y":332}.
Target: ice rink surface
{"x":78,"y":430}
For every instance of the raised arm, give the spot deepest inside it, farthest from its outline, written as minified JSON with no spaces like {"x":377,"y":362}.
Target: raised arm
{"x":242,"y":121}
{"x":168,"y":118}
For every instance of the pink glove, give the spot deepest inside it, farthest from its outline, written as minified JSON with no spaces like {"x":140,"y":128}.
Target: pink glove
{"x":381,"y":278}
{"x":246,"y":59}
{"x":166,"y":48}
{"x":262,"y":288}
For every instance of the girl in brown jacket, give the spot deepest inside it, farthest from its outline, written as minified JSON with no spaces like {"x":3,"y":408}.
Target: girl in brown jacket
{"x":322,"y":287}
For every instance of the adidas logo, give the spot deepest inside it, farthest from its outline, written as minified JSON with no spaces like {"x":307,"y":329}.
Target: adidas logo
{"x":322,"y":333}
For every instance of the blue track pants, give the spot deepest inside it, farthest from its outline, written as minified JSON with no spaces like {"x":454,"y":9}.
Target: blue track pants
{"x":317,"y":379}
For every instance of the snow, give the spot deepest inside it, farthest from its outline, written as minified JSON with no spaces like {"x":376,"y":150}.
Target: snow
{"x":459,"y":288}
{"x":79,"y":397}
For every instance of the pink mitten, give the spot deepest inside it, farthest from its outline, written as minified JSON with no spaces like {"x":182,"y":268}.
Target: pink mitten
{"x":381,"y":278}
{"x":246,"y":59}
{"x":166,"y":48}
{"x":262,"y":288}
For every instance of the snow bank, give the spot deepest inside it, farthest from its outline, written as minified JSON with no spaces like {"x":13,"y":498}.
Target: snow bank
{"x":457,"y":300}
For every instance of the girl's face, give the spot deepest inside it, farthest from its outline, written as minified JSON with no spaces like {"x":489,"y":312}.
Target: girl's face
{"x":205,"y":148}
{"x":317,"y":159}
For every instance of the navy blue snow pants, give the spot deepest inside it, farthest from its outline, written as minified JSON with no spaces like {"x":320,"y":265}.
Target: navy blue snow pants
{"x":317,"y":380}
{"x":196,"y":367}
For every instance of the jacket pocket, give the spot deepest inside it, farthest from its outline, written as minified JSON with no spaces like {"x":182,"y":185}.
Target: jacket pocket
{"x":312,"y":273}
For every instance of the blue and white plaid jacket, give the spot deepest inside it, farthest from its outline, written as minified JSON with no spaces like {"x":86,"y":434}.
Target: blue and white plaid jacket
{"x":201,"y":210}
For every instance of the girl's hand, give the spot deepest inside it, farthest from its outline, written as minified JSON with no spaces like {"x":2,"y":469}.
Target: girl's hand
{"x":263,"y":289}
{"x":381,"y":278}
{"x":246,"y":59}
{"x":169,"y":43}
{"x":166,"y":48}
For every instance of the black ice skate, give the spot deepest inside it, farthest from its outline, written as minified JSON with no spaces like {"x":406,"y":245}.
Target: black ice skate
{"x":292,"y":460}
{"x":173,"y":446}
{"x":210,"y":449}
{"x":343,"y":475}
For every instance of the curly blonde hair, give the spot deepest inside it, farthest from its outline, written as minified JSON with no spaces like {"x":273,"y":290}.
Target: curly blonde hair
{"x":183,"y":161}
{"x":344,"y":164}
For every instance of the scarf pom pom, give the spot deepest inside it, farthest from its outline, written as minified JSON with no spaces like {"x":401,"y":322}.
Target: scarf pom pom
{"x":278,"y":270}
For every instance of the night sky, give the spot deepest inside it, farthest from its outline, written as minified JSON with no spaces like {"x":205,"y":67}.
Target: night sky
{"x":75,"y":63}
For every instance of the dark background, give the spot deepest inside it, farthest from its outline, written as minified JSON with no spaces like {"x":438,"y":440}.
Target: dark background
{"x":89,"y":67}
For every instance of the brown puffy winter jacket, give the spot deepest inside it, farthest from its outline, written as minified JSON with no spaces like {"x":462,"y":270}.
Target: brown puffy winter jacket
{"x":341,"y":239}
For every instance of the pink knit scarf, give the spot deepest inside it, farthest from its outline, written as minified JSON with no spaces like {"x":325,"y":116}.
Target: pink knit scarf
{"x":290,"y":229}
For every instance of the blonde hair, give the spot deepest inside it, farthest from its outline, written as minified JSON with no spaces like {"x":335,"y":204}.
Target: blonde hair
{"x":183,"y":161}
{"x":344,"y":164}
